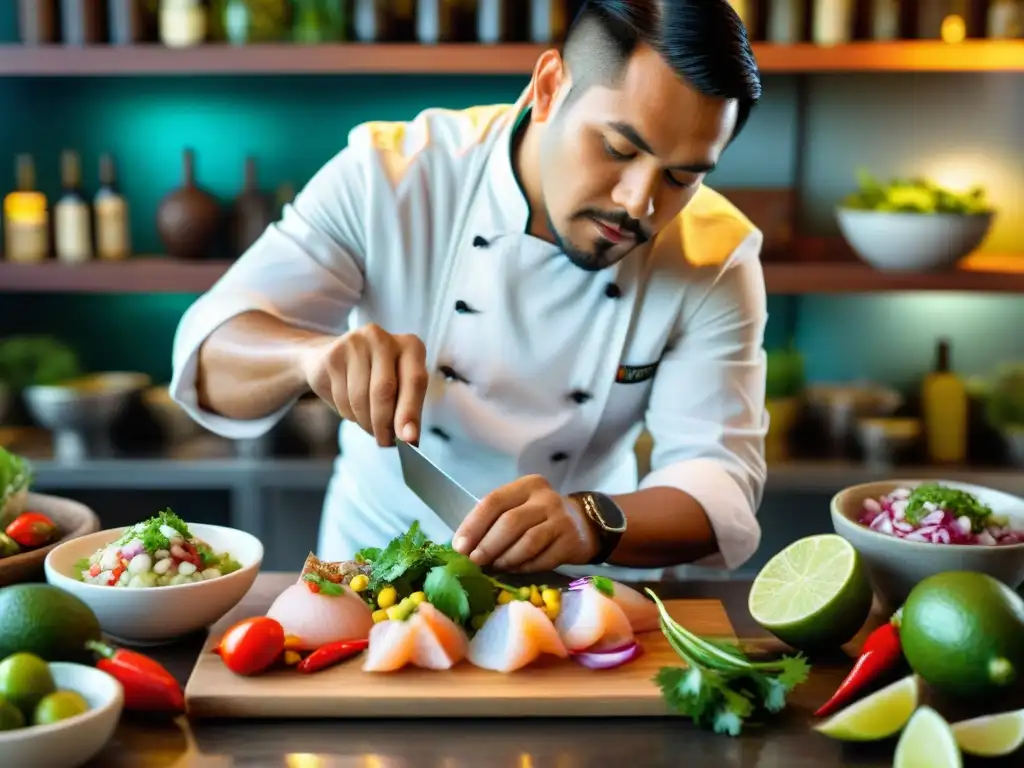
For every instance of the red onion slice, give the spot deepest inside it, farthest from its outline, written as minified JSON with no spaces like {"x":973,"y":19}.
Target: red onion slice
{"x":609,"y":659}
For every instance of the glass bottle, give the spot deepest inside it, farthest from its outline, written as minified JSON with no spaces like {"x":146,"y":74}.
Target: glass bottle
{"x":785,"y":21}
{"x":833,"y":22}
{"x":1005,"y":20}
{"x":26,"y":218}
{"x":113,"y":233}
{"x":72,"y":219}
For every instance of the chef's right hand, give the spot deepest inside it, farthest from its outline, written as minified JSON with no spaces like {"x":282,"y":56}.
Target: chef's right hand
{"x":373,"y":378}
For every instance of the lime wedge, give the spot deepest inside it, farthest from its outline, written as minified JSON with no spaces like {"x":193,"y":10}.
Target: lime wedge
{"x":814,"y":593}
{"x":991,"y":735}
{"x":927,"y":742}
{"x":874,"y":717}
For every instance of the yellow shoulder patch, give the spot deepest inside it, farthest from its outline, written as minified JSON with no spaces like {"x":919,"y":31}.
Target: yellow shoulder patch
{"x":712,"y":228}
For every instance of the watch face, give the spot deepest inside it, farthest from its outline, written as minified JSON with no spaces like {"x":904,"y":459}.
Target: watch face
{"x":612,"y":517}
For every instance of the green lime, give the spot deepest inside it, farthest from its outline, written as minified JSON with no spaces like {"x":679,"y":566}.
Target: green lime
{"x":991,"y":735}
{"x":927,"y":742}
{"x":24,"y":680}
{"x":46,"y":621}
{"x":58,"y":706}
{"x":813,"y":594}
{"x":961,"y":632}
{"x":10,"y":716}
{"x":874,"y":717}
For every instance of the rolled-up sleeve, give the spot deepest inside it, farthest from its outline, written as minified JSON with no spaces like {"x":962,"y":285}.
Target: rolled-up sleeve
{"x":706,"y":413}
{"x":306,"y":269}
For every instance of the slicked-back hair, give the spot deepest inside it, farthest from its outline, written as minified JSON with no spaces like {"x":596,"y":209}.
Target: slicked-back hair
{"x":703,"y":41}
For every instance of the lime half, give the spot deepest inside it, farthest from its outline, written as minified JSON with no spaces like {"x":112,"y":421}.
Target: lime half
{"x":927,"y":742}
{"x":991,"y":735}
{"x":813,"y":594}
{"x":875,"y":717}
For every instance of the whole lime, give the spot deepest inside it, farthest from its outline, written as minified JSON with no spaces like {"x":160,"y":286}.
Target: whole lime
{"x":59,"y":705}
{"x":963,"y":633}
{"x":46,"y":621}
{"x":24,"y":680}
{"x":10,"y":716}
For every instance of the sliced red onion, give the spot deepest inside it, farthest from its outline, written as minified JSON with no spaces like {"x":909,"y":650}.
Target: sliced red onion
{"x":579,"y":583}
{"x":609,"y":659}
{"x":938,"y":526}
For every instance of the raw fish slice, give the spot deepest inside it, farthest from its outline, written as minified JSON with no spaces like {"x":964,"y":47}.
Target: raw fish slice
{"x":451,"y":636}
{"x":316,"y":618}
{"x":639,"y":609}
{"x":392,"y":645}
{"x":587,"y":617}
{"x":513,"y":636}
{"x":428,"y":651}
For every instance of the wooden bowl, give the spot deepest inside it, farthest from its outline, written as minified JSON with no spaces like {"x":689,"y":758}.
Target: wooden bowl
{"x":72,"y":519}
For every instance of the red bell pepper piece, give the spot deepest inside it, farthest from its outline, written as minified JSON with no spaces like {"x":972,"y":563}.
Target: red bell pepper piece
{"x":881,"y":652}
{"x":331,"y":654}
{"x":148,"y":686}
{"x":31,"y":529}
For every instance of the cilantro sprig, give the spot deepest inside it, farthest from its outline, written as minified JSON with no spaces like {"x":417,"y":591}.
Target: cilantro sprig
{"x":453,"y":583}
{"x":151,"y":534}
{"x":720,"y":688}
{"x":957,"y":502}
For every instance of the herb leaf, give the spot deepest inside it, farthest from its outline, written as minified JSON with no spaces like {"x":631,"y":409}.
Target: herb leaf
{"x":955,"y":501}
{"x":445,"y":592}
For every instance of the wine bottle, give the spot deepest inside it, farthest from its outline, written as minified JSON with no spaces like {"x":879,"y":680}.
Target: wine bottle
{"x":26,"y":218}
{"x":72,"y":219}
{"x":113,"y":238}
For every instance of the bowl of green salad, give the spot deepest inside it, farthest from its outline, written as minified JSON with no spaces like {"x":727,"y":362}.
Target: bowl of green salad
{"x":158,"y":580}
{"x":908,"y":530}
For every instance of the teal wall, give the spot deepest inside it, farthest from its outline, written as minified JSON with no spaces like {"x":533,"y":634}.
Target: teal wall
{"x":960,"y":128}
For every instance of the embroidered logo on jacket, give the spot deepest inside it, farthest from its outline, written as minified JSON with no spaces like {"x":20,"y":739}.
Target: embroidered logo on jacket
{"x":634,"y":374}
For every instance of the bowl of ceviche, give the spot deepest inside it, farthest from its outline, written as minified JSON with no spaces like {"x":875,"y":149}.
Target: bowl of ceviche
{"x":907,"y":530}
{"x":160,"y":579}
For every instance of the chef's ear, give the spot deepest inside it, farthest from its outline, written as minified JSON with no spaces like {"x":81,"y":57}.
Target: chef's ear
{"x":550,"y":82}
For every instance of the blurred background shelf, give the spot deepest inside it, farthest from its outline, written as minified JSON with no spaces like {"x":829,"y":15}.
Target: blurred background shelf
{"x":472,"y":58}
{"x":980,"y":273}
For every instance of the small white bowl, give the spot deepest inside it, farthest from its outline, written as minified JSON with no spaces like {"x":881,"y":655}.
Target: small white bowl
{"x":914,"y":242}
{"x":75,"y":741}
{"x":158,"y":615}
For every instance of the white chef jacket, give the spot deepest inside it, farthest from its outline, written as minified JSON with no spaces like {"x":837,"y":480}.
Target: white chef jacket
{"x":421,"y":227}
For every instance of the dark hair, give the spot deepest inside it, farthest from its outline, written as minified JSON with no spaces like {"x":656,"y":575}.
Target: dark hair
{"x":704,"y":41}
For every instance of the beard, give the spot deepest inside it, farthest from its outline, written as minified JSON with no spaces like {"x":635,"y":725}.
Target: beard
{"x":603,"y":253}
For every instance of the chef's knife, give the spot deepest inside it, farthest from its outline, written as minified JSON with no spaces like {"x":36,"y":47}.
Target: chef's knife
{"x":449,"y":500}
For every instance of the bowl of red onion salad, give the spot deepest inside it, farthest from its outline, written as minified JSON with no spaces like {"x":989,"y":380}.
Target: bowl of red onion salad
{"x":907,"y":530}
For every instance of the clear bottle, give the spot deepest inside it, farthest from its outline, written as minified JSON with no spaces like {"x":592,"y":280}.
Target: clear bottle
{"x":26,"y":218}
{"x":183,"y":23}
{"x":72,"y":219}
{"x":1005,"y":20}
{"x":113,"y":233}
{"x":885,"y":20}
{"x":548,"y":21}
{"x":785,"y":21}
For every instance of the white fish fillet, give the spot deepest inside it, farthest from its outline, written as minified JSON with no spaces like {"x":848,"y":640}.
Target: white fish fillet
{"x":588,"y":618}
{"x":514,"y":635}
{"x":316,"y":619}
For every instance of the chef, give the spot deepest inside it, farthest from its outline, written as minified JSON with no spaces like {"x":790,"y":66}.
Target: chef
{"x":521,"y":289}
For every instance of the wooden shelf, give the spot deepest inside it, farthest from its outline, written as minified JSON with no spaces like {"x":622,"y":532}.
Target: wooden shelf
{"x":518,"y":59}
{"x":981,"y":273}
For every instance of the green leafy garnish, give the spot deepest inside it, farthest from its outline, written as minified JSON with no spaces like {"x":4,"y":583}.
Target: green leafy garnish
{"x":150,"y":533}
{"x":452,"y":583}
{"x":604,"y":585}
{"x":958,"y":503}
{"x":720,"y":687}
{"x":15,"y":476}
{"x":324,"y":587}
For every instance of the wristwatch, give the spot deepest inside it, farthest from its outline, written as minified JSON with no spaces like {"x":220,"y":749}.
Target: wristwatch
{"x":607,"y":519}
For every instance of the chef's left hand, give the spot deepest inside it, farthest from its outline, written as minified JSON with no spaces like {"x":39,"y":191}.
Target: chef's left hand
{"x":526,"y":526}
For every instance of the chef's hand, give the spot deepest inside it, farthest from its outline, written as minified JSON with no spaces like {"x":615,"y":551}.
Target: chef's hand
{"x":373,"y":378}
{"x":526,"y":526}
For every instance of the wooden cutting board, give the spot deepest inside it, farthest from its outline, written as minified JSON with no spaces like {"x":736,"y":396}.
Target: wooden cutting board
{"x":548,"y":688}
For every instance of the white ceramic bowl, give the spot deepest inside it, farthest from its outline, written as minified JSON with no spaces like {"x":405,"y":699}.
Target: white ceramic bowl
{"x":75,"y":741}
{"x":895,"y":566}
{"x":912,"y":242}
{"x":159,"y":615}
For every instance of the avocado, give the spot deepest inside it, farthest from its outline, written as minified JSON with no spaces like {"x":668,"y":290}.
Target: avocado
{"x":46,"y":621}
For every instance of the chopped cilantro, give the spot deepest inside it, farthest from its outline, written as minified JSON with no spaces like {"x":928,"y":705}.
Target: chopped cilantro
{"x":953,"y":500}
{"x":604,"y":585}
{"x":324,"y":587}
{"x":150,"y":534}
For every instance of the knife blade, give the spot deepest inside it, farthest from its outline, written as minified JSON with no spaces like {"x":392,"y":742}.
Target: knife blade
{"x":435,"y":488}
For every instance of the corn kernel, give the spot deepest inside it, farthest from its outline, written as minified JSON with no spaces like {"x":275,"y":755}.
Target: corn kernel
{"x":551,"y":611}
{"x":524,"y":593}
{"x":535,"y":597}
{"x":478,"y":621}
{"x":379,"y":616}
{"x":397,"y":612}
{"x":551,"y":598}
{"x":291,"y":658}
{"x":505,"y":597}
{"x":417,"y":597}
{"x":291,"y":642}
{"x":387,"y":597}
{"x":359,"y":582}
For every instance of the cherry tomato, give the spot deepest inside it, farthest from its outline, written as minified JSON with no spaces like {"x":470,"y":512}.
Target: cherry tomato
{"x":252,"y":645}
{"x":31,"y":529}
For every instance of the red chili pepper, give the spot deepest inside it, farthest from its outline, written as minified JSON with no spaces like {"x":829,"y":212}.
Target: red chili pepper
{"x":31,"y":529}
{"x":252,"y":645}
{"x":147,"y":685}
{"x":881,"y":652}
{"x":331,"y":654}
